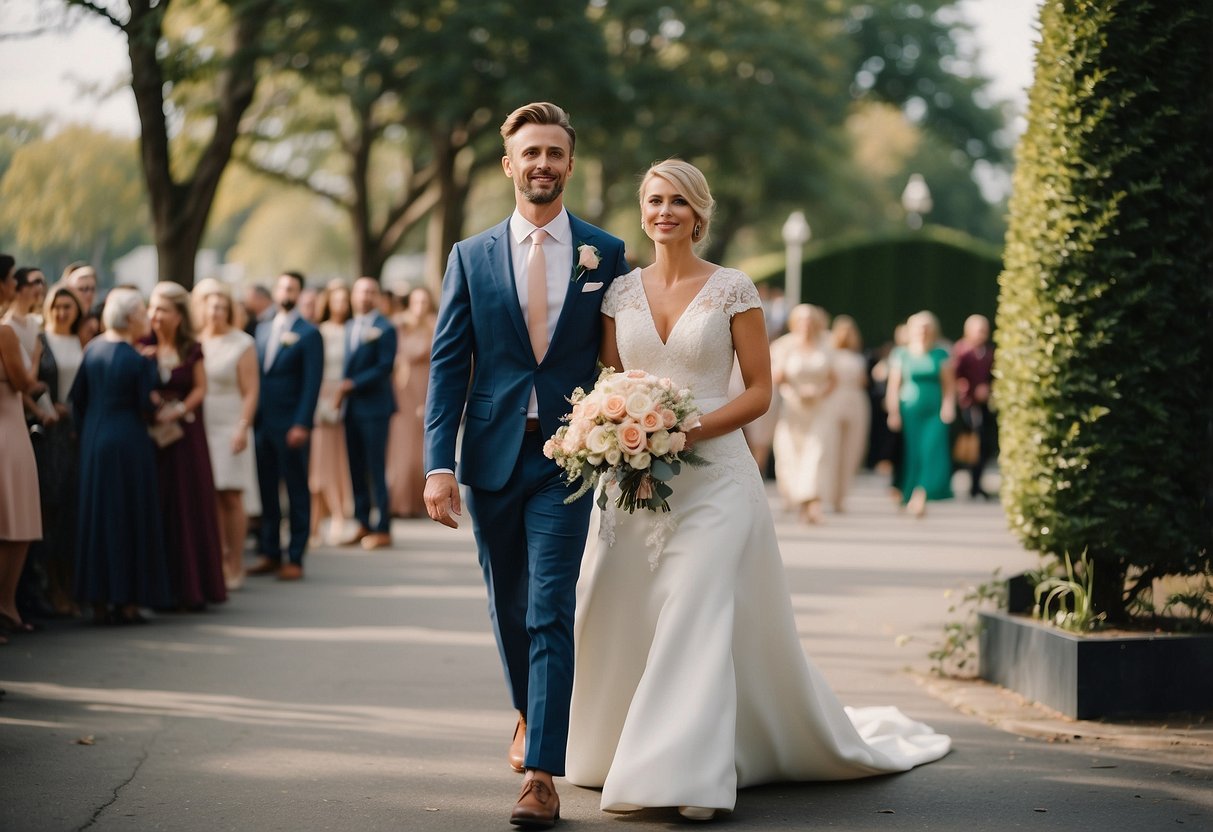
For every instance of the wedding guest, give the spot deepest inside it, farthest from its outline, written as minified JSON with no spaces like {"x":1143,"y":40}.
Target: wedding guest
{"x":18,"y":313}
{"x":974,"y":360}
{"x":183,"y":462}
{"x":58,"y":455}
{"x":405,"y":466}
{"x":20,"y":512}
{"x":329,"y":468}
{"x":258,"y":306}
{"x":121,"y":563}
{"x":368,"y":399}
{"x":230,"y":360}
{"x":290,"y":353}
{"x":307,"y":304}
{"x":804,"y":442}
{"x":921,"y":404}
{"x":847,"y":407}
{"x":83,"y":281}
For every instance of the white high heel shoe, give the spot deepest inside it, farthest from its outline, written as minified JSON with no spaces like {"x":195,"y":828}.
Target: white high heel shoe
{"x":696,"y":812}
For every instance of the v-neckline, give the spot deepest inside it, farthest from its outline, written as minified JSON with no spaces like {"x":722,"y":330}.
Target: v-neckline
{"x":665,"y":342}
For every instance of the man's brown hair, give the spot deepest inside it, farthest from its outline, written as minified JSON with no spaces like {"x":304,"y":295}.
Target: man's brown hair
{"x":540,"y":112}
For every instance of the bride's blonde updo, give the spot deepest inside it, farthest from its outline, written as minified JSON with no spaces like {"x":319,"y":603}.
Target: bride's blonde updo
{"x":693,"y":185}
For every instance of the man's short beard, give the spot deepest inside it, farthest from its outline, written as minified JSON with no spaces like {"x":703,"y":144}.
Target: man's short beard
{"x":287,"y":305}
{"x":542,"y":197}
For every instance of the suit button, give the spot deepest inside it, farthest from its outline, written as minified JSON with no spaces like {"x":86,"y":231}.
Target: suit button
{"x":522,"y":411}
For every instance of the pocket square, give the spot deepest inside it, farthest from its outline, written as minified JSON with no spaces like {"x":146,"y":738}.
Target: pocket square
{"x":591,"y":287}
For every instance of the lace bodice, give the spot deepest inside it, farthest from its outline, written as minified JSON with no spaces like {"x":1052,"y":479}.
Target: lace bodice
{"x":699,"y":352}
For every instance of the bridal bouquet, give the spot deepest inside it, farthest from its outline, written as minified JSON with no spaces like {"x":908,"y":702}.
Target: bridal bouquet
{"x":629,"y":430}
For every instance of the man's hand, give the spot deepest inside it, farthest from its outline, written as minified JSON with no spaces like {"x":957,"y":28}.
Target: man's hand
{"x":297,"y":436}
{"x":442,"y":499}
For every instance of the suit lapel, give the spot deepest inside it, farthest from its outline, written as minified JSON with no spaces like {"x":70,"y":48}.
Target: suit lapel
{"x":501,"y":272}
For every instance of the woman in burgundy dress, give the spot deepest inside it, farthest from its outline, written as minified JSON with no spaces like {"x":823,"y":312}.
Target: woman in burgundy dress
{"x":183,"y":462}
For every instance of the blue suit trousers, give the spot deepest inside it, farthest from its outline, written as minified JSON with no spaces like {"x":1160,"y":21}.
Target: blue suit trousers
{"x":366,"y":442}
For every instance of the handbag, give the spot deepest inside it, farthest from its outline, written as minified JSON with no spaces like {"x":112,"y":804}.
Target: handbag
{"x":165,"y":433}
{"x":966,"y":450}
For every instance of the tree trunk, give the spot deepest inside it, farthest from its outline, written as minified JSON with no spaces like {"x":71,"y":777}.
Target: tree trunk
{"x":454,"y":162}
{"x":180,"y":209}
{"x":1108,"y":590}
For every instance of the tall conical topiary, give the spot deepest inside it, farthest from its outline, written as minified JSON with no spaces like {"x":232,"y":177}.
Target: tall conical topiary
{"x":1105,"y":319}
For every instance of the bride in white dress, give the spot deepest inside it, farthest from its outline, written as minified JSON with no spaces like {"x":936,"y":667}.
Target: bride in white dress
{"x":690,"y":679}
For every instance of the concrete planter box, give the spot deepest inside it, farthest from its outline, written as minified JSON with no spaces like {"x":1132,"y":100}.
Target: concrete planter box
{"x":1091,"y":677}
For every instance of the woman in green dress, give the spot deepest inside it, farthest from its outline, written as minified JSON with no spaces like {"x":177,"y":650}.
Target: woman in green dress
{"x":921,"y":404}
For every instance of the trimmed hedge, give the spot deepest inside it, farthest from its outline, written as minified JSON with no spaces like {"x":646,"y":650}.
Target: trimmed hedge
{"x":881,"y":280}
{"x":1105,"y":317}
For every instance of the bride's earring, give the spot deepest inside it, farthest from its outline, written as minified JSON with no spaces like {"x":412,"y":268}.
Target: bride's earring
{"x":697,"y":232}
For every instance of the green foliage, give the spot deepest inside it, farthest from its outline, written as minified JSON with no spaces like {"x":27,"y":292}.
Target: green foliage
{"x":956,"y":654}
{"x":1071,"y":592}
{"x":1104,"y":328}
{"x":881,"y":280}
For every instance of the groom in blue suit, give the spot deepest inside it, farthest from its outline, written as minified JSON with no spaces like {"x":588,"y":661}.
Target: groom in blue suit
{"x":520,"y":319}
{"x":290,"y":353}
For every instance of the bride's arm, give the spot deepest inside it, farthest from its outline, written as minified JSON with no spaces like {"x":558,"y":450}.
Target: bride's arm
{"x":754,"y":357}
{"x":609,"y":353}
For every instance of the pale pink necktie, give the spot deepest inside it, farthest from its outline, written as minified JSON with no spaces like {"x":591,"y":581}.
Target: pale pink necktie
{"x":537,"y":295}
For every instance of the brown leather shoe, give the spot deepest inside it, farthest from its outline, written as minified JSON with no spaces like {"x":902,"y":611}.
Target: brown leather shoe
{"x":538,"y":806}
{"x":290,"y":572}
{"x":376,"y":540}
{"x":356,"y":537}
{"x":264,"y":566}
{"x":517,"y":756}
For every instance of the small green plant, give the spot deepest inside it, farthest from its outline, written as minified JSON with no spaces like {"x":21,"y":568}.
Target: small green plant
{"x":957,"y":653}
{"x":1072,"y":595}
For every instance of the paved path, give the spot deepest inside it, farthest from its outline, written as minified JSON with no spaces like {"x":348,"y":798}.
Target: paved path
{"x":369,"y":698}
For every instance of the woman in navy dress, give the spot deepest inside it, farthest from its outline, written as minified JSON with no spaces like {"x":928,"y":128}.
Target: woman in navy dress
{"x":187,"y":482}
{"x":120,"y":558}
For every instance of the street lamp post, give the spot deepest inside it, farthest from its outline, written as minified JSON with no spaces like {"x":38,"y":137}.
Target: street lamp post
{"x":916,"y":199}
{"x":796,"y":233}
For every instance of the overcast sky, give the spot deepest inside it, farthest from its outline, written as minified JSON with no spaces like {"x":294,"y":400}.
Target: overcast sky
{"x":62,"y":73}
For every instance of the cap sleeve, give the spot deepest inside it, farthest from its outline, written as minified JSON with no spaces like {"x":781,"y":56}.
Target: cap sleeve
{"x":741,"y":295}
{"x":610,"y":301}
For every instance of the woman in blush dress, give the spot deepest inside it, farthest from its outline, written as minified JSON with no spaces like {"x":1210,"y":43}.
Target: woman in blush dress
{"x":847,"y":408}
{"x":20,"y":512}
{"x":690,"y":680}
{"x":187,"y":485}
{"x":405,"y":474}
{"x":921,"y":404}
{"x":232,"y":384}
{"x":121,"y":563}
{"x":329,"y":464}
{"x":58,"y":454}
{"x":805,"y":442}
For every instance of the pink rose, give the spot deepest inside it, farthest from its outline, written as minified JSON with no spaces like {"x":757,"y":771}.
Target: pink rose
{"x":632,"y":439}
{"x":550,"y":447}
{"x":587,"y":257}
{"x":678,"y":441}
{"x":651,"y":421}
{"x":615,"y":407}
{"x":668,"y":418}
{"x":637,"y":374}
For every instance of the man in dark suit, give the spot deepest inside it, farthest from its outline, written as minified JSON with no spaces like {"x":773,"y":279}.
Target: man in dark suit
{"x":370,"y":400}
{"x":521,"y":318}
{"x":290,"y":353}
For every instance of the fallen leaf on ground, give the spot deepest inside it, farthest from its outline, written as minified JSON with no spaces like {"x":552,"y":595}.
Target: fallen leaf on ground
{"x":86,"y":740}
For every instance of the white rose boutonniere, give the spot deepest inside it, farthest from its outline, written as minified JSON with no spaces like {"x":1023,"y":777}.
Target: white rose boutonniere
{"x":290,"y":338}
{"x":588,"y":259}
{"x":372,"y":334}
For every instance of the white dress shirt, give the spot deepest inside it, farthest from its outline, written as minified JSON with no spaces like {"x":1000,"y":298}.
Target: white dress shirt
{"x":558,"y":254}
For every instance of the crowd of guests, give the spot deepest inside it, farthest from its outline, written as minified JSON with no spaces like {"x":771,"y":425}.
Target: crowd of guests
{"x":916,"y":408}
{"x":141,"y":435}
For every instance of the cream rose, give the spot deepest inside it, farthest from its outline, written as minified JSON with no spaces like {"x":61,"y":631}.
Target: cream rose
{"x":632,"y":438}
{"x":598,"y":440}
{"x":659,"y":443}
{"x":550,"y":448}
{"x":587,"y":257}
{"x":613,"y":457}
{"x":638,"y":404}
{"x":640,"y":461}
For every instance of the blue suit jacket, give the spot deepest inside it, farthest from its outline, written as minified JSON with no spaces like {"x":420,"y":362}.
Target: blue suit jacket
{"x":290,"y":387}
{"x":482,"y":356}
{"x":369,"y":365}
